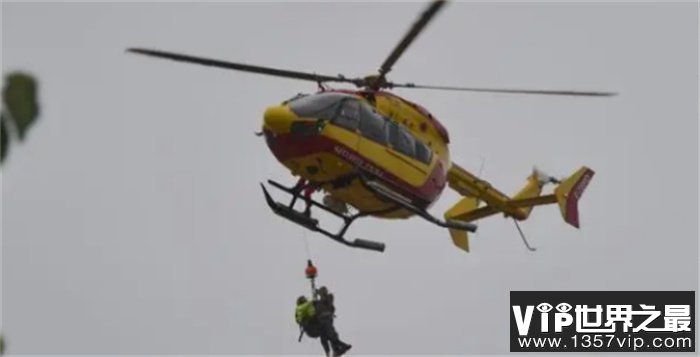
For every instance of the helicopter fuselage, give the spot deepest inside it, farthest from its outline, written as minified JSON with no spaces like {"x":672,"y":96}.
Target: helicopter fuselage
{"x":341,"y":140}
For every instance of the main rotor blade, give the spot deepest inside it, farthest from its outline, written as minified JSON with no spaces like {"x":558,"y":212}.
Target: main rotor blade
{"x":417,"y":27}
{"x":241,"y":66}
{"x":511,"y":91}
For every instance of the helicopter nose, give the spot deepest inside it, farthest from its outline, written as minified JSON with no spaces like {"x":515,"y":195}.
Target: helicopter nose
{"x":278,"y":119}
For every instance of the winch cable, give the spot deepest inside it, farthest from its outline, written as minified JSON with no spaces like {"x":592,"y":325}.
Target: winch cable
{"x":311,"y":270}
{"x":306,"y":245}
{"x":481,"y":171}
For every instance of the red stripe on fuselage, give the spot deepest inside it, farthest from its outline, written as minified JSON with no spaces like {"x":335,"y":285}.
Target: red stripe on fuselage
{"x":286,"y":147}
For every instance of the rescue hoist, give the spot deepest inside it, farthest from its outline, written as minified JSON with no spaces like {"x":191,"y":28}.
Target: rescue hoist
{"x":311,"y":273}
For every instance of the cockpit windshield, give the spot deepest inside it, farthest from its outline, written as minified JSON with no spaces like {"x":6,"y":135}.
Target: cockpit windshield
{"x":320,"y":106}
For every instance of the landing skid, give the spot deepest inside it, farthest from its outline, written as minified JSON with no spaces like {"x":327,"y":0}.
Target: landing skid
{"x":305,"y":220}
{"x":397,"y":198}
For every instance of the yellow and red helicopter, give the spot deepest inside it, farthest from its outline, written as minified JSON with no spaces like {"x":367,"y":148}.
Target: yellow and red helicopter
{"x":374,"y":153}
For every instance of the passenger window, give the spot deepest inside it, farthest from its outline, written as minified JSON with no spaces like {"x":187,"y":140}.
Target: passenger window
{"x":349,"y":115}
{"x":402,"y":140}
{"x":423,"y":152}
{"x":372,"y":125}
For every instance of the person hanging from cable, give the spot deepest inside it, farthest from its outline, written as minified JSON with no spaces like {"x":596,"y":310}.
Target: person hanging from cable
{"x":315,"y":317}
{"x":325,"y":309}
{"x":305,"y":315}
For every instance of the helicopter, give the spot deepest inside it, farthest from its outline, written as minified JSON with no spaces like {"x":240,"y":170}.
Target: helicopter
{"x":376,"y":154}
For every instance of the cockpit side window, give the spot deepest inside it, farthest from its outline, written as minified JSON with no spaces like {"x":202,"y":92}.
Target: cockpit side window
{"x":373,"y":125}
{"x":402,"y":140}
{"x":423,"y":152}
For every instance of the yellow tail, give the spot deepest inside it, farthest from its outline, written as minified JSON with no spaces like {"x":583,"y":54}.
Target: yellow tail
{"x":566,"y":194}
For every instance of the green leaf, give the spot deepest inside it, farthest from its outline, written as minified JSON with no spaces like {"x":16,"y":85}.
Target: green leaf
{"x":4,"y":143}
{"x":19,"y":96}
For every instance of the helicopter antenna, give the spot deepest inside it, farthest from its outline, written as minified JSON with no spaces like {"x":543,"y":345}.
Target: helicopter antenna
{"x":481,"y":171}
{"x":522,"y":235}
{"x":481,"y":167}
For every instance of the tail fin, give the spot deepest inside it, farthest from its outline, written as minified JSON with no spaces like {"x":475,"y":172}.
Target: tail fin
{"x":570,"y":191}
{"x":460,"y":239}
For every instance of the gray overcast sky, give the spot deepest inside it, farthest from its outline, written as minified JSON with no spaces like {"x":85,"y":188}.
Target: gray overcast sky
{"x":133,"y":220}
